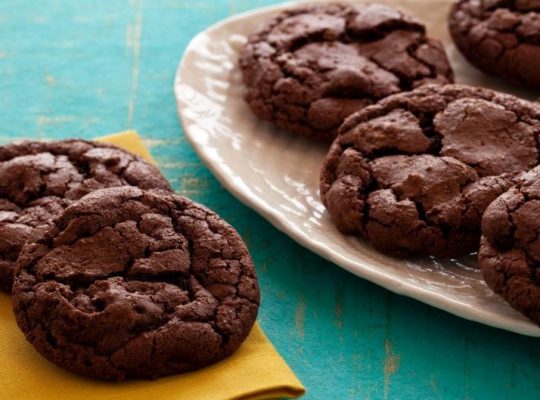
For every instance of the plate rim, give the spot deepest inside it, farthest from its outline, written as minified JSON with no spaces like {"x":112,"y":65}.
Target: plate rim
{"x":378,"y":277}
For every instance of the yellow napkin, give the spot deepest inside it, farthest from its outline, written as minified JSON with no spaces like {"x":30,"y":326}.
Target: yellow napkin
{"x":255,"y":371}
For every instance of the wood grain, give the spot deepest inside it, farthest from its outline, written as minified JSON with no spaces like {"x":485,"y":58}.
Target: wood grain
{"x":88,"y":68}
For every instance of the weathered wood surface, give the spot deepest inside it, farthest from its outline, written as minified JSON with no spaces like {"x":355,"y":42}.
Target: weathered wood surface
{"x":88,"y":68}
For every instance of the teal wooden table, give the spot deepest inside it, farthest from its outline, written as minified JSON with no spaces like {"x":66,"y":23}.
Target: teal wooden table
{"x":88,"y":68}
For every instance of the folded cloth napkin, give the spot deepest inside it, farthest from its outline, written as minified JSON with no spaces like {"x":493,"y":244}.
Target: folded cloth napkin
{"x":256,"y":371}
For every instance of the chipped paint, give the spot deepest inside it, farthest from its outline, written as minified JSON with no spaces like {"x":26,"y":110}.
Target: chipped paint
{"x":193,"y":185}
{"x":133,"y":43}
{"x":152,"y":143}
{"x":232,"y":8}
{"x":190,"y":5}
{"x":391,"y":360}
{"x":435,"y":388}
{"x":37,"y":19}
{"x":164,"y":163}
{"x":50,"y":80}
{"x":43,"y":120}
{"x":280,"y":294}
{"x":391,"y":364}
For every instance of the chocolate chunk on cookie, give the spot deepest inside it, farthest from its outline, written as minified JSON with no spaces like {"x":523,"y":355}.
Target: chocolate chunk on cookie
{"x":127,"y":283}
{"x":39,"y":179}
{"x":310,"y":67}
{"x":413,"y":173}
{"x":509,"y":253}
{"x":500,"y":37}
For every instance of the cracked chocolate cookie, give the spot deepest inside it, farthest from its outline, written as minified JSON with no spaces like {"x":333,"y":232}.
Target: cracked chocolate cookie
{"x":310,"y":67}
{"x":128,"y":283}
{"x":39,"y":179}
{"x":500,"y":37}
{"x":509,"y":253}
{"x":413,"y":173}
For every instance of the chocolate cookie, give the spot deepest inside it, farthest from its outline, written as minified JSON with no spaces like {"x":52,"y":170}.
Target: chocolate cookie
{"x":414,"y":173}
{"x":39,"y":179}
{"x":127,"y":283}
{"x":310,"y":67}
{"x":500,"y":37}
{"x":509,"y":253}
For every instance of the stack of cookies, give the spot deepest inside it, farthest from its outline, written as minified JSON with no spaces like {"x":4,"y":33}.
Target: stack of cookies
{"x":418,"y":165}
{"x":112,"y":275}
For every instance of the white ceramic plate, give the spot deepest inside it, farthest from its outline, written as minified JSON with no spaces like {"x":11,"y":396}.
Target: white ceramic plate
{"x":277,"y":174}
